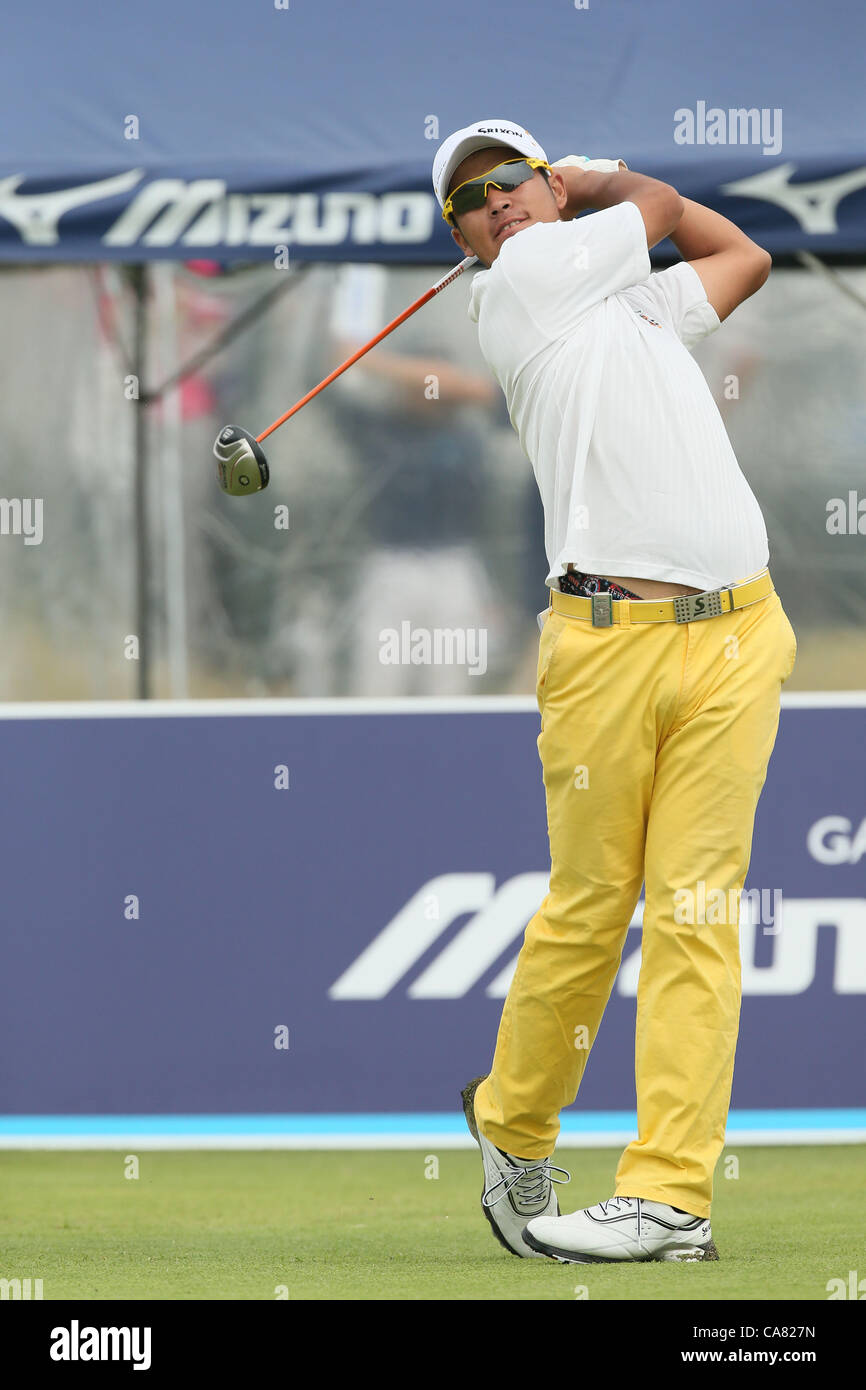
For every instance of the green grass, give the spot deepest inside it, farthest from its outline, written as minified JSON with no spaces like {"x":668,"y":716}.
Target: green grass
{"x":370,"y":1225}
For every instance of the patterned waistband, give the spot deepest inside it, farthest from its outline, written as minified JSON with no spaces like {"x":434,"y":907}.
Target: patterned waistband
{"x":584,"y":585}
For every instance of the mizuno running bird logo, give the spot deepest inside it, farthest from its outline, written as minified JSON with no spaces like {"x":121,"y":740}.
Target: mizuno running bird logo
{"x":490,"y":939}
{"x":35,"y":215}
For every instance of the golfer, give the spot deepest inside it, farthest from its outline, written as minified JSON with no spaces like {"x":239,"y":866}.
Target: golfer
{"x":661,"y":659}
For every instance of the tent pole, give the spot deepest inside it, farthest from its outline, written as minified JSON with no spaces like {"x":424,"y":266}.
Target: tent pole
{"x":140,"y":281}
{"x":169,"y":475}
{"x":142,"y":575}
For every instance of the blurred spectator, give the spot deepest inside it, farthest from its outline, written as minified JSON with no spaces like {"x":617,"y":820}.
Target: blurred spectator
{"x":417,"y":420}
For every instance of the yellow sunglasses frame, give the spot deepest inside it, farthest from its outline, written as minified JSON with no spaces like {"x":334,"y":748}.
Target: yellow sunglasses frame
{"x":447,"y":208}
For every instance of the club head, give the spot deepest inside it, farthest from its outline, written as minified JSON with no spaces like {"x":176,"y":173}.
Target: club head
{"x":241,"y":464}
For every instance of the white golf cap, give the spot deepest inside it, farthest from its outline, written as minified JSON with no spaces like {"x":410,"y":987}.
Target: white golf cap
{"x":477,"y":137}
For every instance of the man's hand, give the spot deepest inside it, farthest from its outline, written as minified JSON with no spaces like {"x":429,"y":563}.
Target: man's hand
{"x":572,"y":168}
{"x":583,"y":161}
{"x":660,"y":206}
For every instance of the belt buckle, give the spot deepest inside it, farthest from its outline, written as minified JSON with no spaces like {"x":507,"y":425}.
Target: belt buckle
{"x":602,"y":610}
{"x":691,"y":608}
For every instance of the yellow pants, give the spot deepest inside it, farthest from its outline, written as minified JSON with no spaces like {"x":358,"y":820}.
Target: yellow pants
{"x":655,"y":740}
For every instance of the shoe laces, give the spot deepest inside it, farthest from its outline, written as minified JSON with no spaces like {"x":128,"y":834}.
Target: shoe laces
{"x":621,"y":1204}
{"x":531,"y":1182}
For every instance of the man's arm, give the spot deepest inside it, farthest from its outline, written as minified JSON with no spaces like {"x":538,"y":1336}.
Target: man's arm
{"x":731,"y":266}
{"x":660,"y":206}
{"x":456,"y":385}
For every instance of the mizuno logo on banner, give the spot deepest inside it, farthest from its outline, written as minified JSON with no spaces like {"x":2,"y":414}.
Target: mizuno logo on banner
{"x":202,"y":213}
{"x":498,"y":918}
{"x":813,"y":204}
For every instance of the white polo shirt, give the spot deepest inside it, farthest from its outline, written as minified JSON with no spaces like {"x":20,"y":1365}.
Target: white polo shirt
{"x":636,"y":472}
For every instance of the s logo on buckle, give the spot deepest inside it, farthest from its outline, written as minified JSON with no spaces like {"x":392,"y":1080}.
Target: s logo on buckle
{"x":690,"y":608}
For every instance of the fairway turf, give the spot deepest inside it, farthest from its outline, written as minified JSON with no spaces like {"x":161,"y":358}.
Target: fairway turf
{"x":368,"y":1224}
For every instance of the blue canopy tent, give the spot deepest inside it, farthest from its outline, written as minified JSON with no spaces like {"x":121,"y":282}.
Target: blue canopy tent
{"x":180,"y":131}
{"x":176,"y":130}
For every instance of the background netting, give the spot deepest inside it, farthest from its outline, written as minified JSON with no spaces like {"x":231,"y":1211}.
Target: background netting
{"x":408,"y":495}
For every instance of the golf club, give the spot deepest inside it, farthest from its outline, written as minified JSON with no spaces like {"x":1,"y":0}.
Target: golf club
{"x":241,"y":464}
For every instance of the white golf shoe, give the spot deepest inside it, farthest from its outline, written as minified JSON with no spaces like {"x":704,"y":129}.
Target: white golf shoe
{"x":622,"y":1228}
{"x":515,"y":1189}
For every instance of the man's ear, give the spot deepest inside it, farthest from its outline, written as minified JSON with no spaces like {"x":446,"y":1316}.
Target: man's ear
{"x":462,"y":242}
{"x":556,"y":184}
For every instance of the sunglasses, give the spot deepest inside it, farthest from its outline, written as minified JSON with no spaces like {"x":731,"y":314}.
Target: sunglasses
{"x":473,"y":193}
